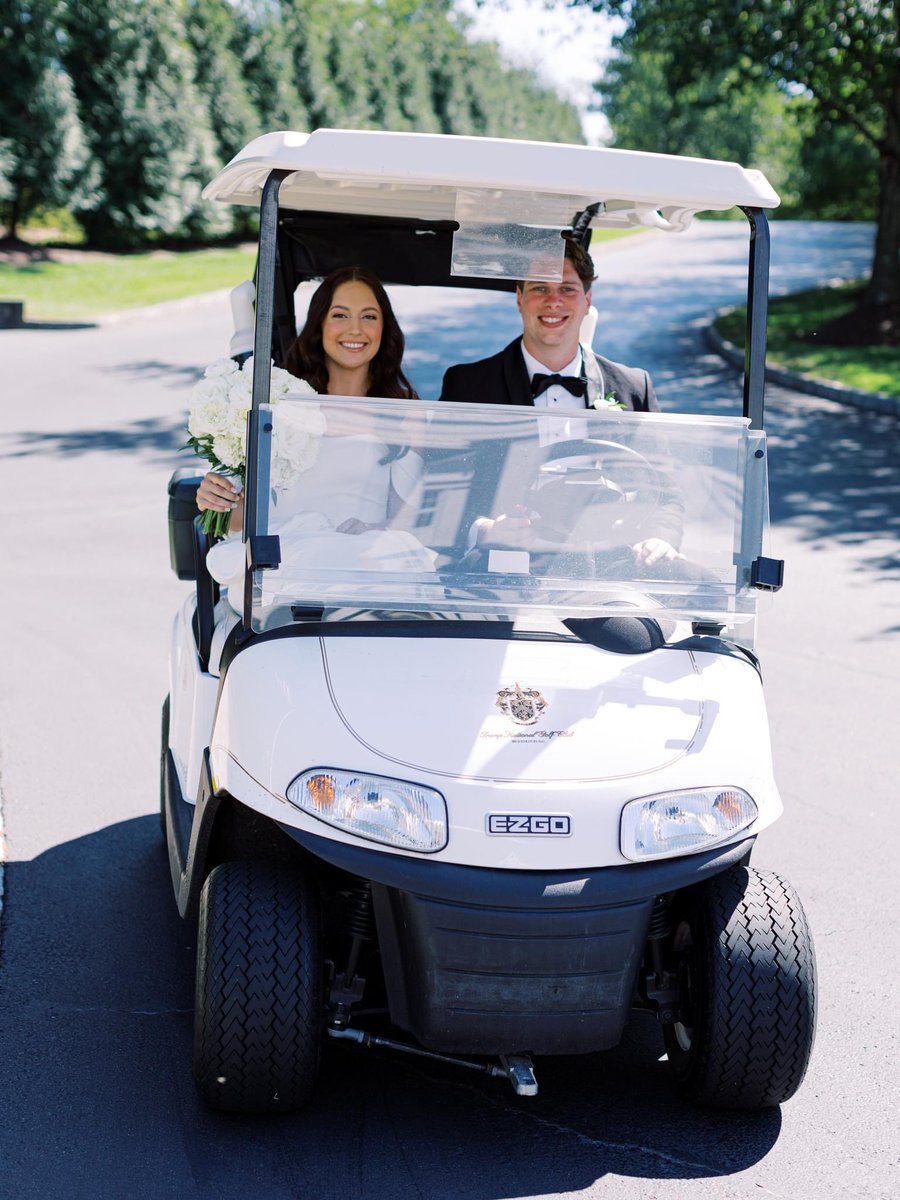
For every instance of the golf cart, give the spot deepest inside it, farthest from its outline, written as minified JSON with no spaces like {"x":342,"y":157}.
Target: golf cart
{"x":479,"y":801}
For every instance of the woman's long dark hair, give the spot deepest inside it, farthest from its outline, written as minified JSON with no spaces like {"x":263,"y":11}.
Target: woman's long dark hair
{"x":306,"y":356}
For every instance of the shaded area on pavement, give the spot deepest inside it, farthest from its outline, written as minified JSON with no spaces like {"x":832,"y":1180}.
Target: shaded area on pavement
{"x":98,"y":969}
{"x":160,"y":436}
{"x":834,"y":475}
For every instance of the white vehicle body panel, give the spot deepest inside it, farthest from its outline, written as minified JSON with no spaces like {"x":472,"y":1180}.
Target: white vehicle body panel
{"x":616,"y":728}
{"x":192,"y":693}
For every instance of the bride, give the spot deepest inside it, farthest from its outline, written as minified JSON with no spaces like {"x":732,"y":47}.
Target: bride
{"x":350,"y":345}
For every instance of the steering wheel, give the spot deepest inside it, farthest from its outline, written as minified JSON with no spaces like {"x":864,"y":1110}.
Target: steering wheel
{"x":594,"y":494}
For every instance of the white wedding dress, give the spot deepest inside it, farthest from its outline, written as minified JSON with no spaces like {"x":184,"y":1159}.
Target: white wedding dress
{"x":348,"y":480}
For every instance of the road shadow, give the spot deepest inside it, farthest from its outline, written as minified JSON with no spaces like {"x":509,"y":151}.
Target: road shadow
{"x":155,"y":435}
{"x":96,"y":1096}
{"x":833,"y":474}
{"x":832,"y":467}
{"x":156,"y":368}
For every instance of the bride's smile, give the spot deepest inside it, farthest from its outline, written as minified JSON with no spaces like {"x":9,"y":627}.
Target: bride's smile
{"x":351,"y":335}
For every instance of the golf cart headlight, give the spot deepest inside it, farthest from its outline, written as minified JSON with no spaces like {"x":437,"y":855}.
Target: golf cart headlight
{"x":389,"y":811}
{"x":675,"y":823}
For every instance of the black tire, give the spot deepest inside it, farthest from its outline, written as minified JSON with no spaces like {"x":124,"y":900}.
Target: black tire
{"x":257,"y":1018}
{"x":163,"y":766}
{"x":747,"y":977}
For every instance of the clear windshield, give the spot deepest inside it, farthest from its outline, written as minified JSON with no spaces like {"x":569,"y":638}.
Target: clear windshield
{"x":495,"y":511}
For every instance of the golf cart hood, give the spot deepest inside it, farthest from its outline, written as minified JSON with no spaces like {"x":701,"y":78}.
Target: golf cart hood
{"x":515,"y":712}
{"x":493,"y":725}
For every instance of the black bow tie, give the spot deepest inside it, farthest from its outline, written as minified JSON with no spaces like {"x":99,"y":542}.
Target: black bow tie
{"x":572,"y":383}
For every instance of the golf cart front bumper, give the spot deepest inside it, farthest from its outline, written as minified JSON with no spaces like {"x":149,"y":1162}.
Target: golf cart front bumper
{"x":483,"y":961}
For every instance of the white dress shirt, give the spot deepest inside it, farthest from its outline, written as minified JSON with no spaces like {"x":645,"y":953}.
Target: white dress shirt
{"x":557,"y":400}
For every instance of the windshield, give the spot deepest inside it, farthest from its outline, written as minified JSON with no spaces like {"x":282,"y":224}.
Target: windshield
{"x":498,"y":512}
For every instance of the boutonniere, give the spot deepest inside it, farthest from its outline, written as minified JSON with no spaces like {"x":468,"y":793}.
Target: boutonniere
{"x":608,"y":401}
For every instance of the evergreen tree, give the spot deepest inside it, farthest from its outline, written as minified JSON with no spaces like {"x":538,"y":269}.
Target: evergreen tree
{"x":133,"y":74}
{"x":212,"y":30}
{"x":264,"y":43}
{"x":45,"y":160}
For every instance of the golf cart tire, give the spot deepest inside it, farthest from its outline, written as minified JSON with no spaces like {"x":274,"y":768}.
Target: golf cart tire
{"x":747,"y":972}
{"x":257,"y":1017}
{"x":164,"y":751}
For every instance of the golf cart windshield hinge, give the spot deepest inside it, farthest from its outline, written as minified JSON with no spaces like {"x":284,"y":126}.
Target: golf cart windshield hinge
{"x":767,"y":574}
{"x":263,"y":551}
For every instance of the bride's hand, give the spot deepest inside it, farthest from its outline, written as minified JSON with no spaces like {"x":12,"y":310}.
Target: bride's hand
{"x":218,"y":493}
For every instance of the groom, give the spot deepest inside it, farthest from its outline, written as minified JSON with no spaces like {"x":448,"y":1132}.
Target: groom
{"x":546,"y":367}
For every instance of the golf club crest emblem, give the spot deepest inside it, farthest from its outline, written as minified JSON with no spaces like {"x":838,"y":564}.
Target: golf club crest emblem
{"x":522,"y":705}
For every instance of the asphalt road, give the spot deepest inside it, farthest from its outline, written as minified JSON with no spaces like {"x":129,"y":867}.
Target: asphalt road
{"x":95,"y":967}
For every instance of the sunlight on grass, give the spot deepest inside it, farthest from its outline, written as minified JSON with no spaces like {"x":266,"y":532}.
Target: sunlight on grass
{"x":792,"y":319}
{"x":94,"y":285}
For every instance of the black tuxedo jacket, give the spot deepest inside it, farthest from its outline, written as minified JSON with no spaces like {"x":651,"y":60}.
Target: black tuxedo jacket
{"x":503,"y":379}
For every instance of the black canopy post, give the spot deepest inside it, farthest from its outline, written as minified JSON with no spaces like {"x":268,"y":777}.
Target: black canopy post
{"x":757,"y":313}
{"x":259,"y":433}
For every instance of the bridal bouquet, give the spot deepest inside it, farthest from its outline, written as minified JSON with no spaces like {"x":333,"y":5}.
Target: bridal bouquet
{"x":217,"y":427}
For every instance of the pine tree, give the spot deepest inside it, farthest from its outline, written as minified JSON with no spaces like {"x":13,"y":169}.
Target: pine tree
{"x":212,"y":31}
{"x":134,"y":79}
{"x":45,"y":160}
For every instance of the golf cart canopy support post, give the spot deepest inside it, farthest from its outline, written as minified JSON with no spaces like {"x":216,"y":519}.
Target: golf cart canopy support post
{"x":255,"y":521}
{"x":757,"y":312}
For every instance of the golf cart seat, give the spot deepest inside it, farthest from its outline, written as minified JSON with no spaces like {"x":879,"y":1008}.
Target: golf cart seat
{"x":188,"y":547}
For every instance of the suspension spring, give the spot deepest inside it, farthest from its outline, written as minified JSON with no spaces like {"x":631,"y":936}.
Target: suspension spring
{"x":358,"y":913}
{"x":659,"y":927}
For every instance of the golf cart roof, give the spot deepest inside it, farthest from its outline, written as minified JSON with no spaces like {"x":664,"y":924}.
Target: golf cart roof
{"x":439,"y":210}
{"x":420,"y":176}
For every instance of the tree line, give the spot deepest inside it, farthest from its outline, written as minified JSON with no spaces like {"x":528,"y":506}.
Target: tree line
{"x":121,"y":111}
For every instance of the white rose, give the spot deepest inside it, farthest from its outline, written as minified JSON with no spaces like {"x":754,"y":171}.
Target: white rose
{"x":209,"y":408}
{"x":237,"y":420}
{"x":299,"y":387}
{"x":282,"y":381}
{"x":298,"y":429}
{"x":229,"y":450}
{"x":222,"y":366}
{"x":240,"y":390}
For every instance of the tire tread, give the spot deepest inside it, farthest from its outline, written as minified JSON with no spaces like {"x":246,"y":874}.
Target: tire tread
{"x":759,"y":997}
{"x":256,"y":1023}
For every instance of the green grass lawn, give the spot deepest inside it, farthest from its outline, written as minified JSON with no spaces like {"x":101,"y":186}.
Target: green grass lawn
{"x":792,"y":319}
{"x":76,"y":287}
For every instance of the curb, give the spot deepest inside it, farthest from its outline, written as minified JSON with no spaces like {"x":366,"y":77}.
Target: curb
{"x":161,"y":309}
{"x":873,"y":401}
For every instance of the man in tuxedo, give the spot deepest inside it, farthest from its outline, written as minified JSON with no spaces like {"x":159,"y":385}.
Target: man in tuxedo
{"x":549,"y":350}
{"x":548,"y":367}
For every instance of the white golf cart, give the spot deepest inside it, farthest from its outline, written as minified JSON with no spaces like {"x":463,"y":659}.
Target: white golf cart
{"x":479,"y":802}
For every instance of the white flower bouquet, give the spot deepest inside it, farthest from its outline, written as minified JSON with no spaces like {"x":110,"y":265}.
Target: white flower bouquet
{"x":217,"y":428}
